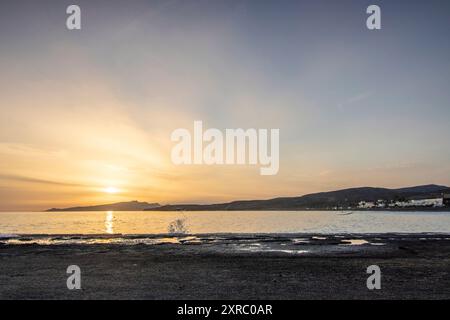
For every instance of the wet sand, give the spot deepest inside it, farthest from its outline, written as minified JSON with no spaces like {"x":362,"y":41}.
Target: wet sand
{"x":228,"y":267}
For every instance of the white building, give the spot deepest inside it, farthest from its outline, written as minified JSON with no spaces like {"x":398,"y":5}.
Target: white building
{"x":437,"y":202}
{"x":365,"y":205}
{"x":434,"y":202}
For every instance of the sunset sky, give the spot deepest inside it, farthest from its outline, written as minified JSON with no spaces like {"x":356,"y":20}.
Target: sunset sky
{"x":86,"y":116}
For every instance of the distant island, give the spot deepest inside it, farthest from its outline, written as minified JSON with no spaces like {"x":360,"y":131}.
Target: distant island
{"x":426,"y":197}
{"x":119,"y":206}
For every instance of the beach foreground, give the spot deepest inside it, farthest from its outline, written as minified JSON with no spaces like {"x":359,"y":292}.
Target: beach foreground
{"x":227,"y":267}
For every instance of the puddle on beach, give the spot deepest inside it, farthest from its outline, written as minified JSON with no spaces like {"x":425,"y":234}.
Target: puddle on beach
{"x":302,"y":240}
{"x":257,"y":247}
{"x":354,"y":242}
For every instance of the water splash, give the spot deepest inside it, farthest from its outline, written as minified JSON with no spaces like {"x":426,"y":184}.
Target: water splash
{"x":178,"y":226}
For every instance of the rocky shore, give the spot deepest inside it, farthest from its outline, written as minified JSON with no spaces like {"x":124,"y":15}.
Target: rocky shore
{"x":290,"y":266}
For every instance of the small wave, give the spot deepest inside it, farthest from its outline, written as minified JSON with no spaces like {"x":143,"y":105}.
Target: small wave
{"x":8,"y":236}
{"x":80,"y":240}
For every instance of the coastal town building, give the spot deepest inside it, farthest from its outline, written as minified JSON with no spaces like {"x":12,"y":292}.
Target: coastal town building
{"x":436,"y":202}
{"x":381,"y":204}
{"x":431,"y":202}
{"x":446,"y":200}
{"x":365,"y":205}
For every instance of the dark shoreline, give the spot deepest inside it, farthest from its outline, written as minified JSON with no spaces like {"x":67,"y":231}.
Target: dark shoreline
{"x":413,"y":209}
{"x":199,"y":209}
{"x":414,"y":266}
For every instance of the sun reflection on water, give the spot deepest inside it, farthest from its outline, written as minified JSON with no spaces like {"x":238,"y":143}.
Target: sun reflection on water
{"x":109,"y":222}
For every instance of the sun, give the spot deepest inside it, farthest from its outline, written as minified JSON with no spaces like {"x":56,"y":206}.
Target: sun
{"x":111,"y":190}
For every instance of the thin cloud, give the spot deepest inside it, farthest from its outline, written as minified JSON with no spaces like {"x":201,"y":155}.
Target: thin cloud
{"x":35,"y":180}
{"x":356,"y":98}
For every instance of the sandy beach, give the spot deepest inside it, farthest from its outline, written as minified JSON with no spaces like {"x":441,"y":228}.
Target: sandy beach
{"x":227,"y":267}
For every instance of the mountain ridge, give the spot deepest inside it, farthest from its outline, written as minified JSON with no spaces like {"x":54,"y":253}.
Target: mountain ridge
{"x":322,"y":200}
{"x":342,"y":198}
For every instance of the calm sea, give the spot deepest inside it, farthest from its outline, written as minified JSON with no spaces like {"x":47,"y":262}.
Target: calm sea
{"x":154,"y":222}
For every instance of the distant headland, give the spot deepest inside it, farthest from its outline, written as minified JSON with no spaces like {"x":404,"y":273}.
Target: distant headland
{"x":119,"y":206}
